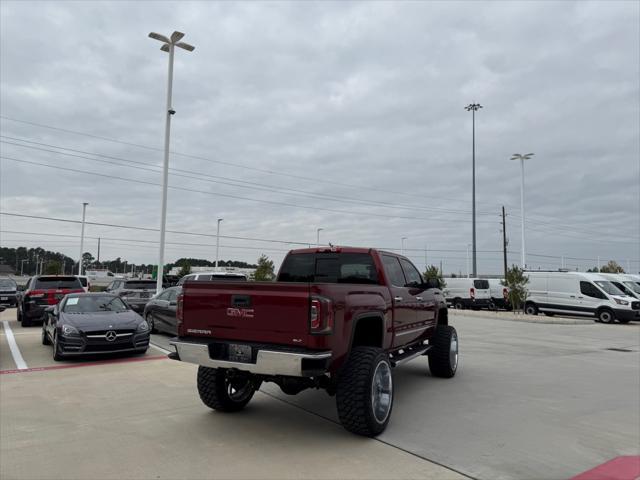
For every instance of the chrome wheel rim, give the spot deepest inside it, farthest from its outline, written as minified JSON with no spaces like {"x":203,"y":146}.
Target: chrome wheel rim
{"x":453,"y":352}
{"x":381,"y":391}
{"x":239,"y":390}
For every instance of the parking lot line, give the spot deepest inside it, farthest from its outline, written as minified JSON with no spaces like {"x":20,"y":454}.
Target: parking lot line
{"x":13,"y":346}
{"x":83,"y":364}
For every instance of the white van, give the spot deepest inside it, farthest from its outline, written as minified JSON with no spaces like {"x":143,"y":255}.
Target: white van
{"x":499,"y":294}
{"x":578,"y":293}
{"x":467,"y":292}
{"x":629,"y":284}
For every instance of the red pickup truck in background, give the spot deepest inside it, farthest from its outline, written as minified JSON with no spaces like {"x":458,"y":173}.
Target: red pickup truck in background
{"x":335,"y":318}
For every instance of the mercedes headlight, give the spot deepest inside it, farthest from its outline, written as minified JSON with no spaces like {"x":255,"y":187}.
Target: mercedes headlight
{"x":69,"y":330}
{"x":143,"y":326}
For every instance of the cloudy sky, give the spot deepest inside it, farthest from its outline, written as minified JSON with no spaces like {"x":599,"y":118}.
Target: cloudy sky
{"x":293,"y":116}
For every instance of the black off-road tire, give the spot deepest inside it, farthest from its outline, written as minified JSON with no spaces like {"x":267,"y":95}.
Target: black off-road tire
{"x":441,"y":362}
{"x":458,"y":304}
{"x":213,"y":389}
{"x":354,"y":392}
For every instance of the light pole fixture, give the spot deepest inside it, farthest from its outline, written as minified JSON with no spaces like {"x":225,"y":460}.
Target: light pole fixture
{"x":168,"y":45}
{"x":318,"y":230}
{"x":218,"y":241}
{"x":84,"y":211}
{"x":402,"y":245}
{"x":522,"y":158}
{"x":473,"y":108}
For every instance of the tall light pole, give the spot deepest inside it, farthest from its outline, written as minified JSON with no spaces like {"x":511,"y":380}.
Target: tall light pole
{"x":402,"y":245}
{"x":84,"y":211}
{"x":26,"y":260}
{"x":218,"y":241}
{"x":522,"y":158}
{"x":318,"y":230}
{"x":468,"y":260}
{"x":473,"y":107}
{"x":168,"y":46}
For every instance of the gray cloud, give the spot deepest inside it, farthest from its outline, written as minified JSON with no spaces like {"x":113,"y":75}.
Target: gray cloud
{"x":369,"y":95}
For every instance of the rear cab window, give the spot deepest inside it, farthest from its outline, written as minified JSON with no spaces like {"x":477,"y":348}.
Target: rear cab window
{"x":83,"y":281}
{"x":411,"y":273}
{"x":393,"y":270}
{"x":481,"y":284}
{"x":55,"y":283}
{"x":354,"y":268}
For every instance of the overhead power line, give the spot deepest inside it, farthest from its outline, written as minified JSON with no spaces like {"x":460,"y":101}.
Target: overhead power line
{"x":225,"y":180}
{"x":227,"y":195}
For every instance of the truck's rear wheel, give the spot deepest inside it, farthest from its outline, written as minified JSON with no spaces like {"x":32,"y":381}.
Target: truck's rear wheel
{"x":364,"y":395}
{"x":443,"y":357}
{"x":223,"y":392}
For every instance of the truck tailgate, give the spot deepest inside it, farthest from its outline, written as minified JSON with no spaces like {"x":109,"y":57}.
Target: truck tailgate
{"x":254,"y":311}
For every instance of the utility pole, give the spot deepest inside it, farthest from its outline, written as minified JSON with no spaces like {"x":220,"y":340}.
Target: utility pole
{"x":426,"y":265}
{"x":84,"y":211}
{"x":598,"y":263}
{"x":504,"y":241}
{"x":98,"y":249}
{"x":218,"y":241}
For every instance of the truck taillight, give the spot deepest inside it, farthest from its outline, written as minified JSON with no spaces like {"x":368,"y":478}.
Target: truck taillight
{"x":321,"y":316}
{"x":37,"y":294}
{"x":179,"y":311}
{"x":472,"y":292}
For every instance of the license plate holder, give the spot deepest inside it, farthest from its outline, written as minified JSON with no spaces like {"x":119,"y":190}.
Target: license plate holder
{"x":240,"y":353}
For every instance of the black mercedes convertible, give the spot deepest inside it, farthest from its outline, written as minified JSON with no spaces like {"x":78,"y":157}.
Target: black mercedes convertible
{"x":93,"y":323}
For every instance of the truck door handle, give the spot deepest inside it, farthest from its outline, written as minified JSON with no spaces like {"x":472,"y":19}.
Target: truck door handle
{"x":397,"y":299}
{"x":572,"y":296}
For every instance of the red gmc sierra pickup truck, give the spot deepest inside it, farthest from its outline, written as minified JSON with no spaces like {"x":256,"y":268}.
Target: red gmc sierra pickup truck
{"x":337,"y":318}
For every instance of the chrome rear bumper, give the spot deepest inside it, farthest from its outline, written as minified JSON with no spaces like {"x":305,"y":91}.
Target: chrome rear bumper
{"x":268,"y":362}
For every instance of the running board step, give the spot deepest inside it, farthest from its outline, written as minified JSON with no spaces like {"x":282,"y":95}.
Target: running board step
{"x":408,"y":354}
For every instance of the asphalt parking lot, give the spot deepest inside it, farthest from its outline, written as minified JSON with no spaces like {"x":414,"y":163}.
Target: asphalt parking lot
{"x":530,"y":401}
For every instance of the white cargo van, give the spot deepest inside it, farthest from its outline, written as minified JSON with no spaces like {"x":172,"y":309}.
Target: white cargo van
{"x":630,"y":287}
{"x":499,"y":294}
{"x":467,"y":292}
{"x":578,"y":293}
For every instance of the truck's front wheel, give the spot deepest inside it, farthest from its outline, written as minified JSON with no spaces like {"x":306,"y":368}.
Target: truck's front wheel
{"x":224,"y":392}
{"x":443,"y":356}
{"x":364,"y":393}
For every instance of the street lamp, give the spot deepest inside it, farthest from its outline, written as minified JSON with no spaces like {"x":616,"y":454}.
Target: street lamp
{"x":402,"y":245}
{"x":468,"y":260}
{"x":318,"y":230}
{"x":84,"y":211}
{"x":522,"y":158}
{"x":473,"y":107}
{"x":168,"y":45}
{"x":26,"y":260}
{"x":218,"y":241}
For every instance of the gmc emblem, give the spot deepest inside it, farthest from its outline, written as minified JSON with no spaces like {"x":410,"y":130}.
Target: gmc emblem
{"x":240,"y":312}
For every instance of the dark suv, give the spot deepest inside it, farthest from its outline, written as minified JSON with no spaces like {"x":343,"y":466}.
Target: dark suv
{"x":8,"y":292}
{"x":136,"y":293}
{"x":43,"y":291}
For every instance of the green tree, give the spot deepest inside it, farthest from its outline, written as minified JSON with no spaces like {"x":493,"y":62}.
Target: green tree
{"x":435,"y":273}
{"x":265,"y":270}
{"x":612,"y":267}
{"x":53,"y":268}
{"x":87,"y":260}
{"x":516,"y":282}
{"x":185,"y":269}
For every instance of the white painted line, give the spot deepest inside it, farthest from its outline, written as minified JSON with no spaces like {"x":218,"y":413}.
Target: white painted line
{"x":163,"y":350}
{"x":13,"y":346}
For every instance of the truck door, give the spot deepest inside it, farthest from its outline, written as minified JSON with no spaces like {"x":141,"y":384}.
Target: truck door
{"x":404,"y":304}
{"x":424,"y":301}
